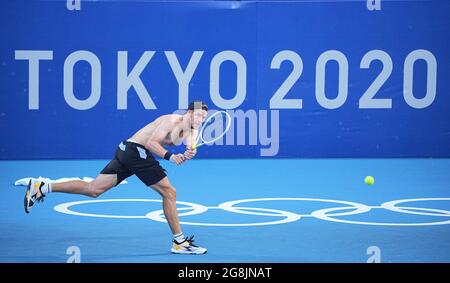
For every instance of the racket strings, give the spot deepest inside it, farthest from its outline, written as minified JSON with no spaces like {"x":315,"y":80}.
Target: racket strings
{"x":219,"y":122}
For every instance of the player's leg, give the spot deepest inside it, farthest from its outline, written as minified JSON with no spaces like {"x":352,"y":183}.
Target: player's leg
{"x":101,"y":184}
{"x":169,"y":198}
{"x":109,"y":177}
{"x":141,"y":162}
{"x":180,"y":245}
{"x":155,"y":177}
{"x":37,"y":190}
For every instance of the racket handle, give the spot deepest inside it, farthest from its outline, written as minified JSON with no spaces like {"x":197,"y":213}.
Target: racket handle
{"x":196,"y":145}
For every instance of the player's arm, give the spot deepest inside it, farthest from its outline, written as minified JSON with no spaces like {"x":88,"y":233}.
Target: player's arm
{"x":190,"y":143}
{"x":191,"y":138}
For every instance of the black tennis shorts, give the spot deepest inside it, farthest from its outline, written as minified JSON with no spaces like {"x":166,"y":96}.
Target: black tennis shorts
{"x":134,"y":159}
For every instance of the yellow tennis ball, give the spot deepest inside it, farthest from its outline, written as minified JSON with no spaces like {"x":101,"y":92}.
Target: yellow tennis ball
{"x":369,"y":180}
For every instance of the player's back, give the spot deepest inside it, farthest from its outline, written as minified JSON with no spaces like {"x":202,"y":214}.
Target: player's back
{"x":163,"y":122}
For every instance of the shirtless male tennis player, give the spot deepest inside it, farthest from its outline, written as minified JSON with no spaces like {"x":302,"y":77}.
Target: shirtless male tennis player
{"x":135,"y":157}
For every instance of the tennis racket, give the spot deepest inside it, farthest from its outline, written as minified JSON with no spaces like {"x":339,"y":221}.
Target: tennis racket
{"x":220,"y":120}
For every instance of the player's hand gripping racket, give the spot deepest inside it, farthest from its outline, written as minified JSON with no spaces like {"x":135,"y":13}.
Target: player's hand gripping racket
{"x":220,"y":122}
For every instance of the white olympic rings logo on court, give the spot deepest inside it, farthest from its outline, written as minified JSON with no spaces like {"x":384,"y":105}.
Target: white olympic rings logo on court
{"x":328,"y":214}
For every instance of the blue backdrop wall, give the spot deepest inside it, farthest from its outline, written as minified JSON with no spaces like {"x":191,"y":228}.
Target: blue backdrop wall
{"x":301,"y":78}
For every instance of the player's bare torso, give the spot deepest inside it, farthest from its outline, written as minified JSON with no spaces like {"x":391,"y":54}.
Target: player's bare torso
{"x":173,"y":125}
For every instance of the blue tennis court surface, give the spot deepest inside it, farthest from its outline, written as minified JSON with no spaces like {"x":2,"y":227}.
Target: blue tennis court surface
{"x":308,"y":210}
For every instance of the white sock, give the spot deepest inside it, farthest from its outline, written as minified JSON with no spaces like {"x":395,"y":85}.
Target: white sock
{"x":179,"y":238}
{"x":46,"y":188}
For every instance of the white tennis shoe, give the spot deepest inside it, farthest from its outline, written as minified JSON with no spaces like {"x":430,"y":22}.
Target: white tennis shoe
{"x":187,"y":247}
{"x":33,"y":194}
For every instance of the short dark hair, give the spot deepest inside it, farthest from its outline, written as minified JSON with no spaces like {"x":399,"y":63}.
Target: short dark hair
{"x":194,"y":105}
